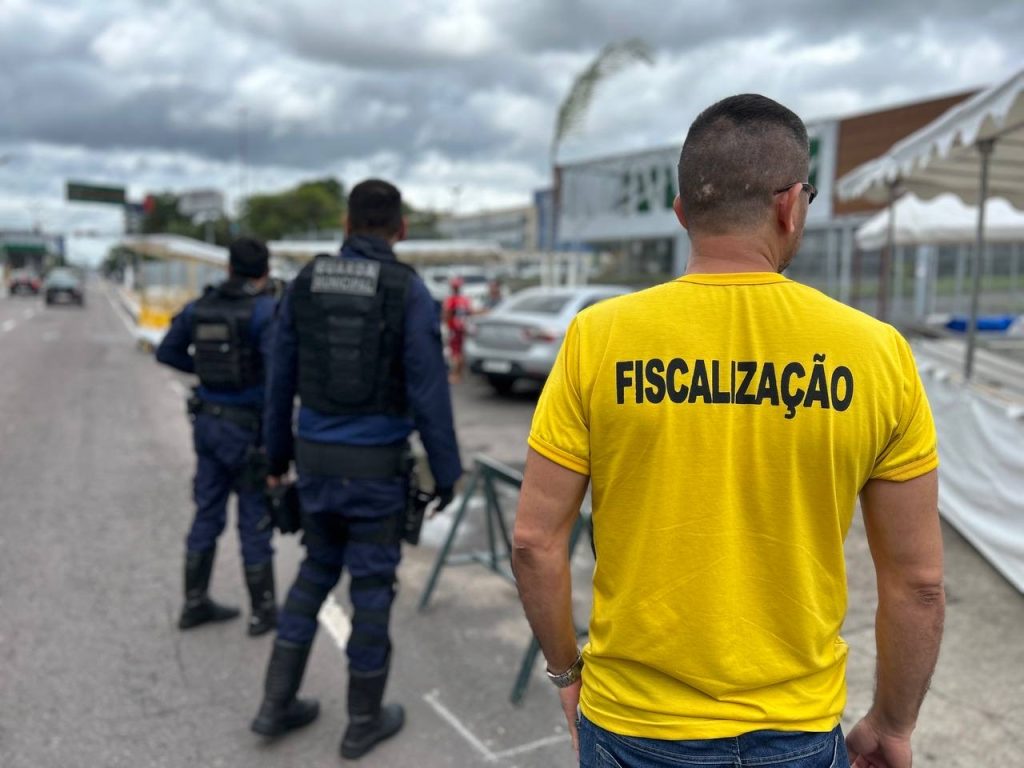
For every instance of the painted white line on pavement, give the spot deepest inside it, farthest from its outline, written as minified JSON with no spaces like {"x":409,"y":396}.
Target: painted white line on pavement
{"x":8,"y":326}
{"x":334,"y":620}
{"x":447,"y":715}
{"x":28,"y":314}
{"x":119,"y":310}
{"x":562,"y":738}
{"x":178,"y":388}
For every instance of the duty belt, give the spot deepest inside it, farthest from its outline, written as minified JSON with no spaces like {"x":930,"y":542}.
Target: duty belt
{"x":352,"y":462}
{"x":249,"y":418}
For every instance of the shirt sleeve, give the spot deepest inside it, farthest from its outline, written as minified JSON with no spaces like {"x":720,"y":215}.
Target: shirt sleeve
{"x":561,"y":429}
{"x":173,"y":349}
{"x":426,"y":386}
{"x":912,"y":448}
{"x":282,"y":383}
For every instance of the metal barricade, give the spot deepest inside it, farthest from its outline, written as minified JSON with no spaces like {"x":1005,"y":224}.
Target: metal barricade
{"x":488,"y":475}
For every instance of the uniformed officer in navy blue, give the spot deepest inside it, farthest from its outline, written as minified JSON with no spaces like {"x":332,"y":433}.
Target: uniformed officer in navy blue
{"x":358,"y":339}
{"x":224,"y":338}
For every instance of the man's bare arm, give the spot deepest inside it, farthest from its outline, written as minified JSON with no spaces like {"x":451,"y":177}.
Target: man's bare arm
{"x":905,"y":538}
{"x":548,"y":506}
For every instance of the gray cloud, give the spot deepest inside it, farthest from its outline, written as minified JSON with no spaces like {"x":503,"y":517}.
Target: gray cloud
{"x":435,"y":91}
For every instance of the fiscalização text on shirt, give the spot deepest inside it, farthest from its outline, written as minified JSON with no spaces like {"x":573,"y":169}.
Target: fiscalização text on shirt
{"x":791,"y":385}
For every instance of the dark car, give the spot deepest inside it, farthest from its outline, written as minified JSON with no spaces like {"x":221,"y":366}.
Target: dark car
{"x":64,"y":286}
{"x":23,"y":282}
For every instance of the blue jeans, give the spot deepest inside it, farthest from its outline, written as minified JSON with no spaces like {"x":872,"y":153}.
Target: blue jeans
{"x":601,"y":749}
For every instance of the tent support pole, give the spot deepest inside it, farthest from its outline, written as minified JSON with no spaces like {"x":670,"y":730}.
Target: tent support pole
{"x":885,"y":268}
{"x":985,"y":147}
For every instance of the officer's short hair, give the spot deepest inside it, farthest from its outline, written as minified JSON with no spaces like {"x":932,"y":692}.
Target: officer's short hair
{"x":375,"y":208}
{"x":737,"y":153}
{"x":248,"y":257}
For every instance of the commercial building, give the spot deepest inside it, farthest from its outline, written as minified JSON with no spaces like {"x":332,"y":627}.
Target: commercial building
{"x":514,"y":229}
{"x":623,"y":204}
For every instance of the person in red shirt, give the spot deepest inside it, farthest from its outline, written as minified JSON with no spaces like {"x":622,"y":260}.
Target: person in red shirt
{"x":454,"y":312}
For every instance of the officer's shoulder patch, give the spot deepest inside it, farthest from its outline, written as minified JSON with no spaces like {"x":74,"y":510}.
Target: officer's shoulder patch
{"x":355,"y":277}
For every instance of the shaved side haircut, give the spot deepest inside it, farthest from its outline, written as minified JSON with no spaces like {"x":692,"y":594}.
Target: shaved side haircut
{"x":375,"y":208}
{"x":737,"y":153}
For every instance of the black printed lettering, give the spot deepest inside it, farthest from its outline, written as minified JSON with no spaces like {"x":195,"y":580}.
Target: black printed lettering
{"x":748,"y":368}
{"x":622,"y":380}
{"x":677,"y":393}
{"x":654,"y":373}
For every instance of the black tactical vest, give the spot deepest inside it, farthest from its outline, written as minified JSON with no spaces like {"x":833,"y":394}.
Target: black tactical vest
{"x":225,"y":356}
{"x":349,"y":317}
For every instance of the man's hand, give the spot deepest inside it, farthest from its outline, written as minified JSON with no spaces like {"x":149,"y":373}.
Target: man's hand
{"x":273,"y":481}
{"x":570,"y":698}
{"x":444,"y":497}
{"x":870,"y":746}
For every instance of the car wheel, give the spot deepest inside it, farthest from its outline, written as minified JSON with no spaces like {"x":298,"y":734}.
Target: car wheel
{"x":501,"y":384}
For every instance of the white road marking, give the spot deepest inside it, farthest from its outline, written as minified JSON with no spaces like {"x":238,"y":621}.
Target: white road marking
{"x":561,"y":738}
{"x":28,"y":314}
{"x":334,"y":620}
{"x":8,"y":326}
{"x":125,"y":317}
{"x":447,"y":715}
{"x":178,"y":388}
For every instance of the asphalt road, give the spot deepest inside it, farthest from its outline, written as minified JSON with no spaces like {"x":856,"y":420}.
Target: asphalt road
{"x":95,"y":470}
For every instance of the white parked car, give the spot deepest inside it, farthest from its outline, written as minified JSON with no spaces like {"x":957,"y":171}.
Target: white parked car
{"x":520,"y":338}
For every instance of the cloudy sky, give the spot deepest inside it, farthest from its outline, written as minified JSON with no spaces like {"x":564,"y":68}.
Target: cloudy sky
{"x":452,"y":99}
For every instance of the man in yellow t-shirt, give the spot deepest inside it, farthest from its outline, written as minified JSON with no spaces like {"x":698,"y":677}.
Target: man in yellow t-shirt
{"x":727,"y":422}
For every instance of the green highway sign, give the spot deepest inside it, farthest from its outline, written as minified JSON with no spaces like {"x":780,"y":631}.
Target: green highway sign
{"x":93,"y":193}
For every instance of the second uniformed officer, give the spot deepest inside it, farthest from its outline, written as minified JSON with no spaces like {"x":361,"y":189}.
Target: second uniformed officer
{"x":358,"y":339}
{"x":224,"y":338}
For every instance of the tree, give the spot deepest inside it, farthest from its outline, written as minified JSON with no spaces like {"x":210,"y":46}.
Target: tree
{"x":310,"y":207}
{"x":571,"y":112}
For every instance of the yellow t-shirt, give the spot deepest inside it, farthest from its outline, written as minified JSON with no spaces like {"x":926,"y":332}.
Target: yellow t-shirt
{"x":727,"y":423}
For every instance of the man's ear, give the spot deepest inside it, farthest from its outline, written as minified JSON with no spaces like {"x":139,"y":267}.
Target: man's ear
{"x":787,"y":209}
{"x":403,"y":231}
{"x":677,"y":206}
{"x":346,"y":225}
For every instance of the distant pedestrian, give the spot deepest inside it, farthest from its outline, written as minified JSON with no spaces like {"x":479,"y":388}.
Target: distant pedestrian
{"x":224,"y":338}
{"x":494,"y":295}
{"x":455,"y":313}
{"x":358,"y":340}
{"x":728,"y":421}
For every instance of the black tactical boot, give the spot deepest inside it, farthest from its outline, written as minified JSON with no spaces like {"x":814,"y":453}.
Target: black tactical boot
{"x":369,"y":722}
{"x":260,"y":580}
{"x":199,"y":608}
{"x":280,"y":711}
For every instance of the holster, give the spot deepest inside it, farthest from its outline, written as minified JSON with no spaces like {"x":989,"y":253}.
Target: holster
{"x":416,"y":508}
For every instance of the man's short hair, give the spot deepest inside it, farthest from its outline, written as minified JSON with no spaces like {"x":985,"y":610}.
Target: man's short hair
{"x":737,"y":153}
{"x":375,"y":208}
{"x":248,"y":257}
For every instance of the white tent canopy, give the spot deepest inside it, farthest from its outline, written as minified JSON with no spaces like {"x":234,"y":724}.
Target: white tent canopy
{"x":944,"y":155}
{"x":974,"y":150}
{"x":942,"y":221}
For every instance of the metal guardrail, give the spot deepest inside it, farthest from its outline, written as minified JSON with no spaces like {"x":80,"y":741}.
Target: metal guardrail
{"x":488,"y":475}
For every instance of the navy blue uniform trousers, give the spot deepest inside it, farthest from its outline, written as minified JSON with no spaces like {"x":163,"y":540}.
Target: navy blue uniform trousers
{"x":354,"y":525}
{"x":222,"y":450}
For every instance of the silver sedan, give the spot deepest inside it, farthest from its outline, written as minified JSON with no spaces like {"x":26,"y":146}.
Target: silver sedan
{"x":520,"y":338}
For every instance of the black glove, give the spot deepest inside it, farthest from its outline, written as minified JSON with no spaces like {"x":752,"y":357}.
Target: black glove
{"x":444,"y":497}
{"x":277,"y":467}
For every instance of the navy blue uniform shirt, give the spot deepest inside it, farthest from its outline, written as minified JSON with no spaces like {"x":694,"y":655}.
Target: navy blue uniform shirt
{"x":174,"y":351}
{"x":426,"y":386}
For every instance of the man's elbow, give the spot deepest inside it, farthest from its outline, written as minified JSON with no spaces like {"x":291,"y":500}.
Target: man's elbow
{"x":923,"y":590}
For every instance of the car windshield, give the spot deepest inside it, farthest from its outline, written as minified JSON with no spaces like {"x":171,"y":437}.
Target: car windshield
{"x":544,"y":304}
{"x":62,"y":276}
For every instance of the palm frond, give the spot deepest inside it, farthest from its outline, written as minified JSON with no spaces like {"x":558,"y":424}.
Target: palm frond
{"x":613,"y":58}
